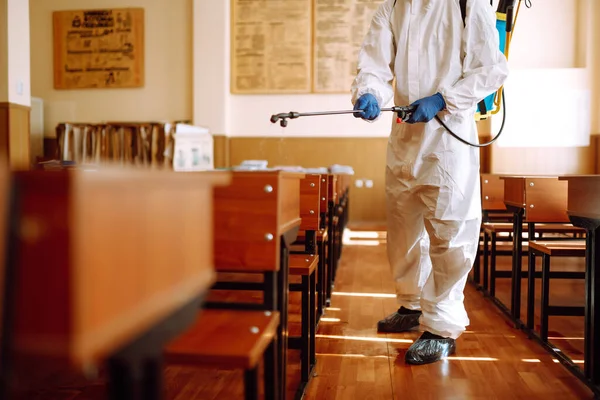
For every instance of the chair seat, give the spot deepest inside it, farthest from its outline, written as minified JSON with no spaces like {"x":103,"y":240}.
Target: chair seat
{"x":505,"y":247}
{"x":303,"y":264}
{"x":571,"y":248}
{"x":225,"y":338}
{"x":321,"y":235}
{"x":506,"y":227}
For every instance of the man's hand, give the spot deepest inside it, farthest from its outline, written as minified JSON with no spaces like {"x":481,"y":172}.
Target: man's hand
{"x":369,"y":106}
{"x":427,"y":108}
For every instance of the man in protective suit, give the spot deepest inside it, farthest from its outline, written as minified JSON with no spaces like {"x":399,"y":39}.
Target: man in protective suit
{"x":445,"y":67}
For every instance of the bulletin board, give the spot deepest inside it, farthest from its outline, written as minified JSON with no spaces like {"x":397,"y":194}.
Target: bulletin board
{"x":339,"y":29}
{"x":271,"y":46}
{"x":100,"y":48}
{"x":297,"y":46}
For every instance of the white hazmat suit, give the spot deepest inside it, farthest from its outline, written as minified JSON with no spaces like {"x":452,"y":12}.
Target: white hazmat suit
{"x":432,"y":180}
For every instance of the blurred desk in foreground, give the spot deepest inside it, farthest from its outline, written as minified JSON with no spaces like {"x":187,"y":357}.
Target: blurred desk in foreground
{"x":111,"y":264}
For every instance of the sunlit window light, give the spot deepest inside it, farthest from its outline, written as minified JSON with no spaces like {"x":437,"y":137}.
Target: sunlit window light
{"x":471,"y":359}
{"x":531,"y":360}
{"x":353,"y":294}
{"x":349,"y":355}
{"x":573,"y":361}
{"x":361,"y":242}
{"x":364,"y":339}
{"x":491,"y":334}
{"x":363,"y":234}
{"x":330,"y":319}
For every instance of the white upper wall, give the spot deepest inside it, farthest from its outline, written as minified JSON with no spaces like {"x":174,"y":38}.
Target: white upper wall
{"x":547,"y":37}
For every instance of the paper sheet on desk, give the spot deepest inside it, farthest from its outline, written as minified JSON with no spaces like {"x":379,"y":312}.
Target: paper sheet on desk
{"x":194,"y":149}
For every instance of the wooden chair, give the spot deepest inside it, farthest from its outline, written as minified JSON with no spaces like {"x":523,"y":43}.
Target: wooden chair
{"x":332,"y":233}
{"x":312,"y":237}
{"x":233,"y":340}
{"x":541,"y":203}
{"x":256,"y":220}
{"x":572,"y":248}
{"x":305,"y":266}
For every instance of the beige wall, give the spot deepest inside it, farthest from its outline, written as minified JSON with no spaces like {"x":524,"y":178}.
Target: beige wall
{"x":167,"y":94}
{"x":3,"y":51}
{"x":18,"y":53}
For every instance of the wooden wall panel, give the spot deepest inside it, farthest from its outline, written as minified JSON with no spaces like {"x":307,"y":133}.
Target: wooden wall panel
{"x":365,"y":155}
{"x":545,"y":161}
{"x":14,"y":135}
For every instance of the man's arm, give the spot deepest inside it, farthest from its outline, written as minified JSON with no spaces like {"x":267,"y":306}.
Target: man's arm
{"x":376,"y":59}
{"x":485,"y":68}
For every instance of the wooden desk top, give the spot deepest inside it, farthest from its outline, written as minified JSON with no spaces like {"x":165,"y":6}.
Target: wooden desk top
{"x":251,"y":215}
{"x":105,"y":255}
{"x":584,"y":195}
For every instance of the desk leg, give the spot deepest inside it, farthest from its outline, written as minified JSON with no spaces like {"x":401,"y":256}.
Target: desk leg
{"x":592,"y":308}
{"x":515,"y":305}
{"x":135,"y":371}
{"x":8,"y":290}
{"x":283,"y":302}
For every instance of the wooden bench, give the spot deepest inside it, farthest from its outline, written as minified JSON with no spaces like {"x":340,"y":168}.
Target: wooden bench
{"x":103,"y":273}
{"x":305,"y":266}
{"x":232,"y":340}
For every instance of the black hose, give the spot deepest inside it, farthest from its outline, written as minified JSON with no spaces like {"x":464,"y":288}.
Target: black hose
{"x":482,"y":144}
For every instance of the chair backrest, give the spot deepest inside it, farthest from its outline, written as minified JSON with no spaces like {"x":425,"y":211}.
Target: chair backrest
{"x":310,"y":202}
{"x":492,"y":193}
{"x":546,"y":200}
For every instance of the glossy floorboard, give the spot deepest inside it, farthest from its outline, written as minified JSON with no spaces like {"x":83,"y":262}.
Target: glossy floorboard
{"x":493,"y":360}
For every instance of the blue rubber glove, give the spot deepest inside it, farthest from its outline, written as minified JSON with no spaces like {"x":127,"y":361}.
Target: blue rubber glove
{"x":427,"y":108}
{"x":367,"y":103}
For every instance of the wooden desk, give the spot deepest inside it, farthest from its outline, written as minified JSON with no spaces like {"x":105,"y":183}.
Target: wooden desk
{"x":105,"y":258}
{"x":584,"y":211}
{"x":256,"y":219}
{"x":532,"y":199}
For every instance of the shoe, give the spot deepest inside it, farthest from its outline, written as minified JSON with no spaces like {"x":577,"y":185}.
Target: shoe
{"x":403,"y":320}
{"x":430,"y":348}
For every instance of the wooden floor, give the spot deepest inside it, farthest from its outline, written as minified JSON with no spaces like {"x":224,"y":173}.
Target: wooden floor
{"x":493,"y":361}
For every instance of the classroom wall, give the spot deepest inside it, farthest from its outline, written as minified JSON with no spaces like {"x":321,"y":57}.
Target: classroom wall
{"x":244,"y":118}
{"x":167,"y":94}
{"x":15,"y":96}
{"x":585,"y":60}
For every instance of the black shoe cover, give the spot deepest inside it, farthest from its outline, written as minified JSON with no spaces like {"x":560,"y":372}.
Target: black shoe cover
{"x":401,"y":321}
{"x":430,"y":348}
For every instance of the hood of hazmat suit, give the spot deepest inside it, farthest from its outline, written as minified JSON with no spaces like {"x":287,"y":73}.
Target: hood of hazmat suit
{"x":414,"y":49}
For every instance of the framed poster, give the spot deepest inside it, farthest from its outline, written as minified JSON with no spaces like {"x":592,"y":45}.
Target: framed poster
{"x":271,"y":46}
{"x":102,"y":48}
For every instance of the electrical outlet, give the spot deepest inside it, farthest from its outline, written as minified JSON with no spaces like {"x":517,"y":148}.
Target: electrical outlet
{"x":369,"y":183}
{"x":20,"y":88}
{"x":359,"y":183}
